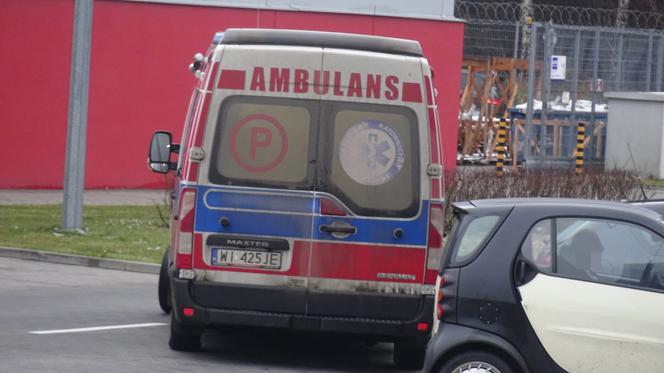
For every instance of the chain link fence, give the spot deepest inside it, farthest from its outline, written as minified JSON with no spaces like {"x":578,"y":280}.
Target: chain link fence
{"x":491,"y":39}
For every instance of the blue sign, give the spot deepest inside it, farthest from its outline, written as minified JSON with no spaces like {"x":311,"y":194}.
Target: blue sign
{"x":371,"y":153}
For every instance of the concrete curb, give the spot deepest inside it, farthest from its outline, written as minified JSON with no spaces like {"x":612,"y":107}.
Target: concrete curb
{"x":86,"y":261}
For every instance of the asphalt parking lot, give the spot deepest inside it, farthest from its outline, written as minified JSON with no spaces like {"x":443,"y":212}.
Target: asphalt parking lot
{"x":62,"y":318}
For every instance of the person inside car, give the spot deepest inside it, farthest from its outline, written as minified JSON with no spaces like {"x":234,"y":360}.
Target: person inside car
{"x":576,"y":261}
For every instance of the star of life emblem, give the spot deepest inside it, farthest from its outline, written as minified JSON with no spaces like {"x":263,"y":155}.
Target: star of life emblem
{"x":371,"y":153}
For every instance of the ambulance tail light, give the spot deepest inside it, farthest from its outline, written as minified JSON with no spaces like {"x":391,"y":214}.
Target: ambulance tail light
{"x":184,"y":237}
{"x":435,"y":242}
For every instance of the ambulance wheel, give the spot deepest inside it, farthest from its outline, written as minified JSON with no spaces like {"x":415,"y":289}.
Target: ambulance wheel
{"x":408,"y":355}
{"x":183,"y":338}
{"x":163,"y":287}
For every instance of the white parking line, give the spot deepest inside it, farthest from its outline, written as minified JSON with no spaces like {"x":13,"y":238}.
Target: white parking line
{"x":97,"y":328}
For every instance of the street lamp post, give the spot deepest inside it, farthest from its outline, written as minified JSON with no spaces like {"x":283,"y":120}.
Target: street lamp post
{"x":72,"y":213}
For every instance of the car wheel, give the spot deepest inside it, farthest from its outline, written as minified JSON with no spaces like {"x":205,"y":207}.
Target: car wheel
{"x":476,"y":362}
{"x":409,"y":356}
{"x":164,"y":287}
{"x":183,"y":338}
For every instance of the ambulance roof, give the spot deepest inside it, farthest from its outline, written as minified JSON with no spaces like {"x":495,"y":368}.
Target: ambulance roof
{"x":319,"y":39}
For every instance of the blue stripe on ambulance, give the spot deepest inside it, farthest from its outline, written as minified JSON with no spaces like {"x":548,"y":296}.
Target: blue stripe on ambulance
{"x":288,"y":214}
{"x":300,"y":202}
{"x":415,"y":231}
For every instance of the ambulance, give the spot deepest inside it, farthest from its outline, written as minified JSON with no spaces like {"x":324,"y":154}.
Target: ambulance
{"x":308,"y":191}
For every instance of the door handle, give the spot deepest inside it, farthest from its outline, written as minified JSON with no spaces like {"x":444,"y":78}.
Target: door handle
{"x":524,"y":272}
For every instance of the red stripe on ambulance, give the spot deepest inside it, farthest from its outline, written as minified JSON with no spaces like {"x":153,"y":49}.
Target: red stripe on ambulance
{"x":365,"y":262}
{"x":412,"y":92}
{"x":232,"y":79}
{"x":334,"y":260}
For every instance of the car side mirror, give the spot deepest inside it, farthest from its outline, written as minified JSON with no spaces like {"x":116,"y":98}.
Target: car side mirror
{"x":159,"y":155}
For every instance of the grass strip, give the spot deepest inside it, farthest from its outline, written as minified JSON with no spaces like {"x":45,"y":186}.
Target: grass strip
{"x":654,"y":182}
{"x":116,"y":232}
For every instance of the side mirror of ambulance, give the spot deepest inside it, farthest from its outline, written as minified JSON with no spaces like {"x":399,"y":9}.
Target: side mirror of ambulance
{"x":197,"y":65}
{"x":159,"y":156}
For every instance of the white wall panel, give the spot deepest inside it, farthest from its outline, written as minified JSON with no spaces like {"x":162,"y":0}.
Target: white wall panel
{"x":425,"y":9}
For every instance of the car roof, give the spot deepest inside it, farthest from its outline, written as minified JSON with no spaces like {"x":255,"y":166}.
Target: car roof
{"x":320,"y":39}
{"x":571,"y":203}
{"x":656,"y":205}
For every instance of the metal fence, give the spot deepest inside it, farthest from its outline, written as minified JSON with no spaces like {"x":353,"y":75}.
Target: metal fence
{"x":598,"y":60}
{"x":629,"y":59}
{"x":492,"y":39}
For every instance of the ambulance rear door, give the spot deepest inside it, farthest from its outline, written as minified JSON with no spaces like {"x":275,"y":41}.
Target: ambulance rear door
{"x":369,"y":238}
{"x":256,"y":201}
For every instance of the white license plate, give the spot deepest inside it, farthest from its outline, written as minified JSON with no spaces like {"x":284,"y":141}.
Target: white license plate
{"x":246,"y":258}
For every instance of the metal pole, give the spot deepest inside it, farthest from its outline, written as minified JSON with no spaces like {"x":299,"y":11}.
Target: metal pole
{"x":516,"y":40}
{"x":649,"y":61}
{"x":500,"y":147}
{"x":619,"y":77}
{"x":549,"y":42}
{"x":660,"y":63}
{"x":72,"y":214}
{"x":595,"y":76}
{"x":575,"y":76}
{"x":531,"y":91}
{"x":580,"y":141}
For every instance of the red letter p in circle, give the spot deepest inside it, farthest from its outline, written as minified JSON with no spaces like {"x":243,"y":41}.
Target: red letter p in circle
{"x":260,"y":137}
{"x":262,"y":133}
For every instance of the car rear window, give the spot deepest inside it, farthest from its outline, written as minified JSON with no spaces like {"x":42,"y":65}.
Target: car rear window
{"x":473,"y":236}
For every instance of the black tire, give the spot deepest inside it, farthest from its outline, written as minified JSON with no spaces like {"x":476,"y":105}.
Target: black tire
{"x":409,"y":355}
{"x":471,"y":359}
{"x":164,"y":288}
{"x":183,"y":338}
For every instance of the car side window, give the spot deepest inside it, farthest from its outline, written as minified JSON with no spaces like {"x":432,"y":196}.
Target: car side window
{"x":609,"y":251}
{"x":475,"y":234}
{"x":537,"y":246}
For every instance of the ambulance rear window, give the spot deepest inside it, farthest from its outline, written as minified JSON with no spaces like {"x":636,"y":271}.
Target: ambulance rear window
{"x":370,"y":158}
{"x":264,"y":142}
{"x":367,"y":155}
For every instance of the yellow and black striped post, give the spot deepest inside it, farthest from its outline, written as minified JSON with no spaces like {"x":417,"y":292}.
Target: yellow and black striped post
{"x":500,"y":147}
{"x":580,"y":145}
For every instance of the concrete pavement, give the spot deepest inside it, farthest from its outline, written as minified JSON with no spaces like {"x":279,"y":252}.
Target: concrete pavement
{"x":59,"y":318}
{"x":90,"y":197}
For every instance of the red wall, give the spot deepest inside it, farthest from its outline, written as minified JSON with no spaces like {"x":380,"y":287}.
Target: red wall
{"x":139,"y":80}
{"x":35,"y":49}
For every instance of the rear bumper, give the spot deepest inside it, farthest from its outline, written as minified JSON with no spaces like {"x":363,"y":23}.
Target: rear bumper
{"x":381,"y":329}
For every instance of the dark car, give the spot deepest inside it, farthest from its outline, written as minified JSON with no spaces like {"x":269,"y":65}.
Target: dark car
{"x":550,"y":285}
{"x":656,"y":205}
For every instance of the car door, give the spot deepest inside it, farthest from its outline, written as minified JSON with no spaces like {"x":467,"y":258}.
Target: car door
{"x":255,"y":204}
{"x":596,"y":303}
{"x":369,"y":250}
